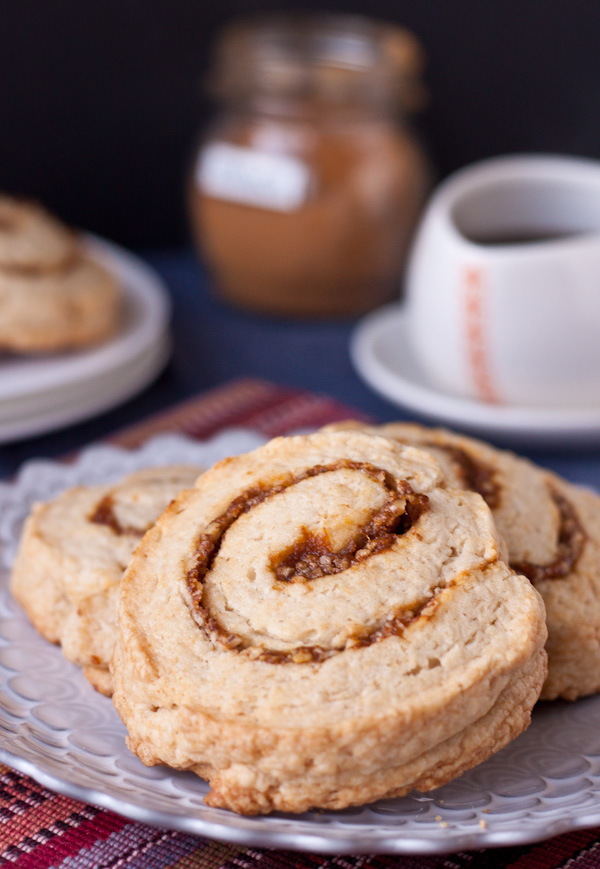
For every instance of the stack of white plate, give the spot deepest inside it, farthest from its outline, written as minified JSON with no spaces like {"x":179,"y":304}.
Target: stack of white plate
{"x":38,"y":394}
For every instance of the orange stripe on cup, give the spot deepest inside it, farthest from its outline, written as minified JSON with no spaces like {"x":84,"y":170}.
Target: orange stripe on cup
{"x":475,"y":333}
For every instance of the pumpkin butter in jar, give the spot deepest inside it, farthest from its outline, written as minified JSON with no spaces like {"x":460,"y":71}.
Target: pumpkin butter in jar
{"x":308,"y":184}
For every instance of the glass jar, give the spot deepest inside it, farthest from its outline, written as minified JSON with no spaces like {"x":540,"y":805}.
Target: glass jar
{"x":308,"y":184}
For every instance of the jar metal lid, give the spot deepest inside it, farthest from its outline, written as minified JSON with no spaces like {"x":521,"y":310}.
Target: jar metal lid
{"x":332,"y":56}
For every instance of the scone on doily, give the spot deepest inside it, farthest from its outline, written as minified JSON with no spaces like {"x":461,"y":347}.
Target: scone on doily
{"x":54,"y":295}
{"x":324,"y":622}
{"x":552,"y":531}
{"x":72,"y":554}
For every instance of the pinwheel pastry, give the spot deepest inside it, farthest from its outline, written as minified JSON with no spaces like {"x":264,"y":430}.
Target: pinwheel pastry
{"x":322,"y":622}
{"x":72,"y":555}
{"x":53,"y":294}
{"x":552,"y":531}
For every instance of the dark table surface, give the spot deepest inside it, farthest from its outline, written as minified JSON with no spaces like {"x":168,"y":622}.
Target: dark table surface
{"x":214,"y":343}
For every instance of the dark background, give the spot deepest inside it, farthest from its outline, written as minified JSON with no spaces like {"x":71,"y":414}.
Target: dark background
{"x":101,"y":102}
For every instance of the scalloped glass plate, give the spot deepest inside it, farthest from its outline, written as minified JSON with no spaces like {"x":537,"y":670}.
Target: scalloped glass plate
{"x":55,"y":728}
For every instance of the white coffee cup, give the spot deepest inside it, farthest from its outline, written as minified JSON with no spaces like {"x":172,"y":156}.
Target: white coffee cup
{"x":503,"y":283}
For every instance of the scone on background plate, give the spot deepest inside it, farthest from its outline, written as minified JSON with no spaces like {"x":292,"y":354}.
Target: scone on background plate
{"x":72,"y":554}
{"x":54,"y":295}
{"x":324,"y":622}
{"x":552,"y":531}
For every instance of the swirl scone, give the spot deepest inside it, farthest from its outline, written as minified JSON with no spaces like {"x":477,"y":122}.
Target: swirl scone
{"x":72,"y":554}
{"x":321,"y":623}
{"x":54,"y":295}
{"x":552,"y":532}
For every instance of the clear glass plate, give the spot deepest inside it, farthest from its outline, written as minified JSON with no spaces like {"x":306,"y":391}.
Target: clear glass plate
{"x":55,"y":728}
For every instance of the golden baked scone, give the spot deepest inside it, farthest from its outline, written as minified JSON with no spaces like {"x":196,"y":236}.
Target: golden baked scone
{"x":72,"y":554}
{"x":31,"y":238}
{"x":54,"y":295}
{"x":552,"y":532}
{"x":323,"y":622}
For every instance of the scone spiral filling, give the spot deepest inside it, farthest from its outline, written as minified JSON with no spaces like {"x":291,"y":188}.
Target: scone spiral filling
{"x":472,"y":474}
{"x":105,"y":513}
{"x":552,"y":533}
{"x":480,"y":477}
{"x":409,"y":651}
{"x":502,"y":479}
{"x":312,"y":555}
{"x":570,"y":543}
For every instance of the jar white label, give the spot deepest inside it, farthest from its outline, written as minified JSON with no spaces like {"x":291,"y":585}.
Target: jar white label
{"x":238,"y":174}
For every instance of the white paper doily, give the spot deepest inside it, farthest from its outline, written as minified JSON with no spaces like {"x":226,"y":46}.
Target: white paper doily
{"x":56,"y":728}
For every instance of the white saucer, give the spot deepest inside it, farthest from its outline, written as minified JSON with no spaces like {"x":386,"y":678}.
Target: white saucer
{"x":380,"y":350}
{"x":38,"y":394}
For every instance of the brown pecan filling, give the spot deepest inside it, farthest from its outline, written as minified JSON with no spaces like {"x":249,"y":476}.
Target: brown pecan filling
{"x":392,"y":626}
{"x":312,"y":556}
{"x":571,"y":540}
{"x":476,"y":476}
{"x":104,"y":514}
